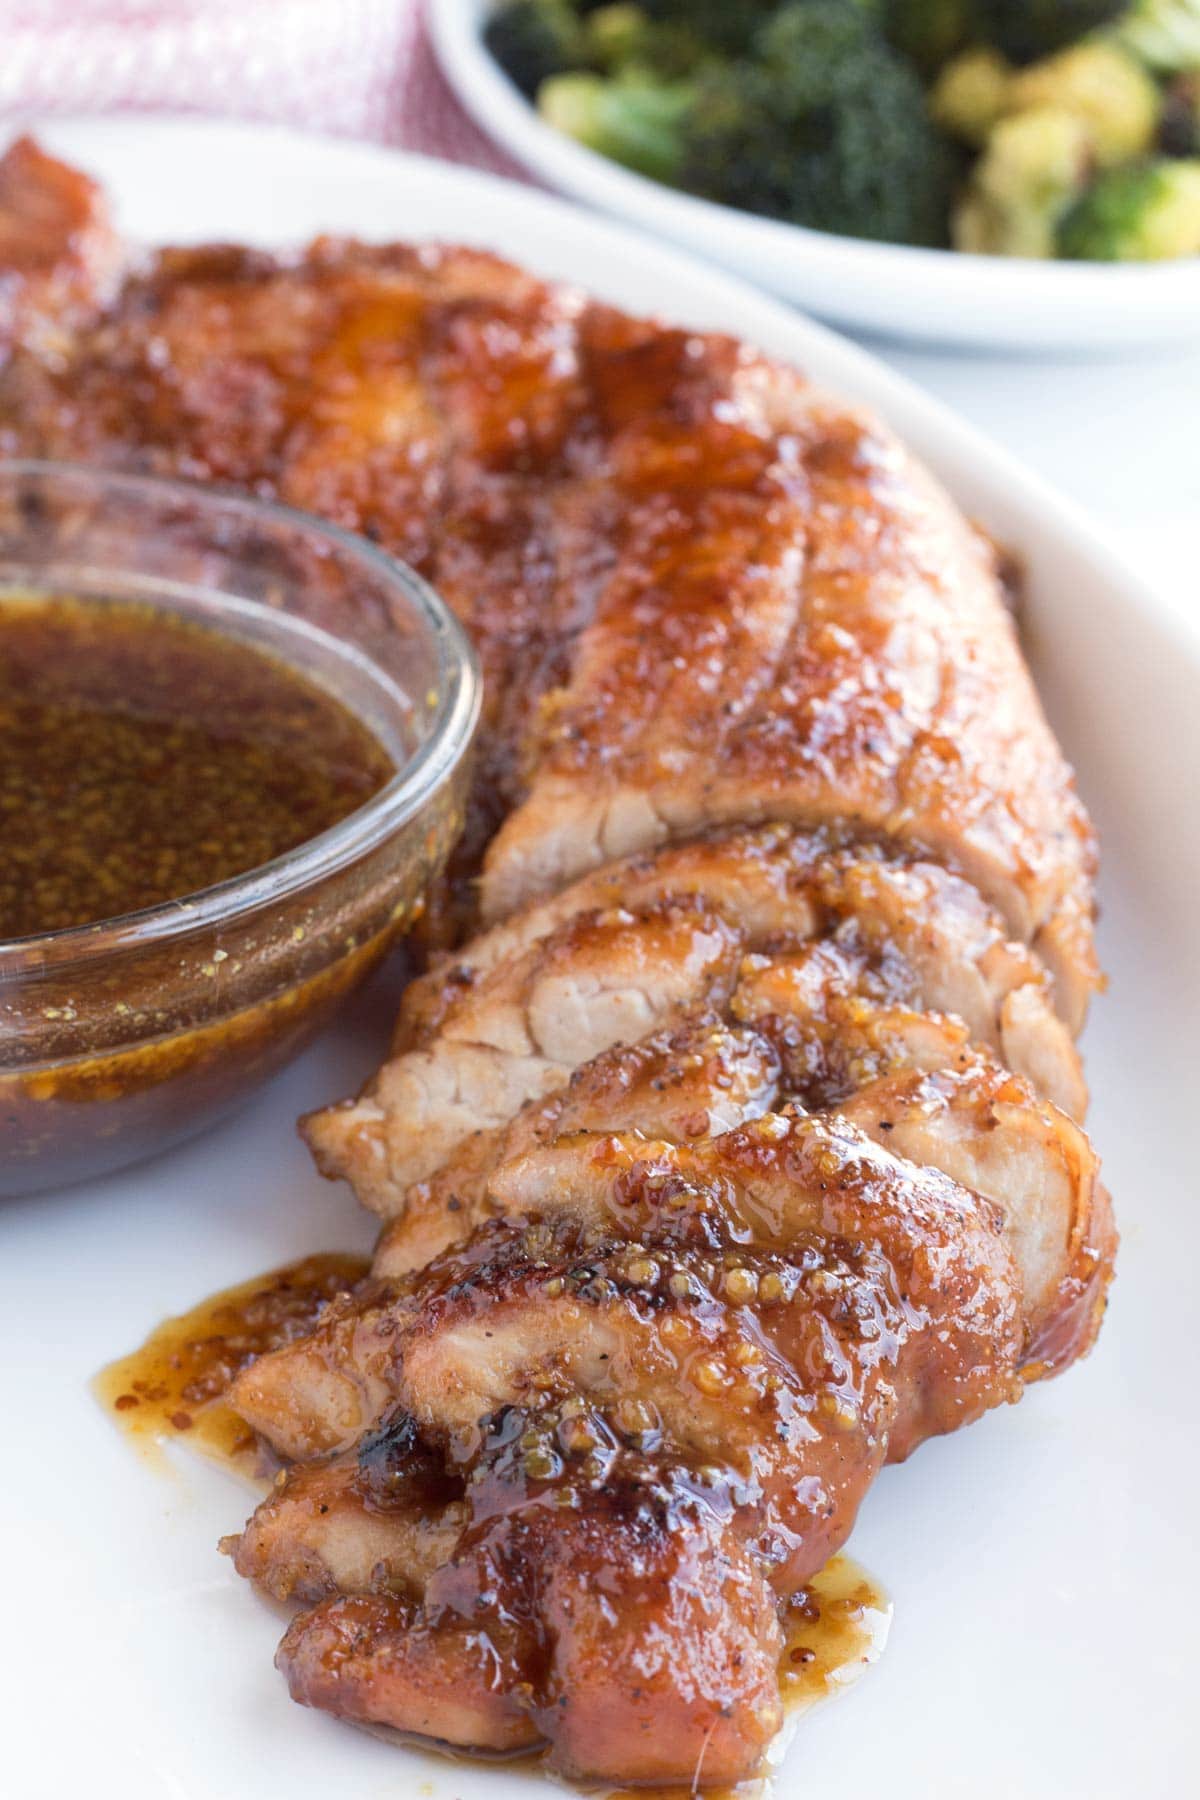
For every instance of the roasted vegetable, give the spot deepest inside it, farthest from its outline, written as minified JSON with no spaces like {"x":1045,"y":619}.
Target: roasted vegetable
{"x":622,"y":37}
{"x":1027,"y":29}
{"x":532,"y":39}
{"x":1101,"y":85}
{"x":970,"y":94}
{"x":727,"y":25}
{"x":825,"y":127}
{"x":1165,"y":34}
{"x":816,"y":111}
{"x":633,"y":118}
{"x":1145,"y":212}
{"x":1035,"y":164}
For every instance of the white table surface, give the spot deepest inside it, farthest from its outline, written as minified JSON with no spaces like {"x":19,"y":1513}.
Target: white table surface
{"x":1120,"y":436}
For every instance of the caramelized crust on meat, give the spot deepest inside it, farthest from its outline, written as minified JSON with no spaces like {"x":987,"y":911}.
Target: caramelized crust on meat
{"x":701,"y":592}
{"x":693,"y":1080}
{"x":739,"y":1155}
{"x":850,"y":959}
{"x":604,"y":978}
{"x":680,"y":1358}
{"x":59,"y":255}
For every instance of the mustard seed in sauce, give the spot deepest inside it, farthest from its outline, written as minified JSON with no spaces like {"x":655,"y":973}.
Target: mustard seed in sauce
{"x":145,"y":756}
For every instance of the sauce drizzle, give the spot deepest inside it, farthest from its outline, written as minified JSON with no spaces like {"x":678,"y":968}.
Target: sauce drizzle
{"x":173,"y":1387}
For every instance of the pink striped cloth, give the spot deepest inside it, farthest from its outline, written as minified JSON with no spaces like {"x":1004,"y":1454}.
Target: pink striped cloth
{"x":357,"y":68}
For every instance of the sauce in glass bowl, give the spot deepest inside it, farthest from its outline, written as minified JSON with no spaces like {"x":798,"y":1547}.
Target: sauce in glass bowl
{"x":234,"y":744}
{"x":144,"y":757}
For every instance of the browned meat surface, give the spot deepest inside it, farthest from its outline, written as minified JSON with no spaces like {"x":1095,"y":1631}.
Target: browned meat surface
{"x":693,"y":1080}
{"x":627,"y":1382}
{"x":603,"y":978}
{"x":739,"y":1155}
{"x":701,"y":593}
{"x":666,"y":1354}
{"x":371,"y":1521}
{"x":59,"y":255}
{"x":849,"y":960}
{"x":891,"y":699}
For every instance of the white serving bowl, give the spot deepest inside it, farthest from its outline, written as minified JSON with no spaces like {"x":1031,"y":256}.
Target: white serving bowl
{"x":934,"y":296}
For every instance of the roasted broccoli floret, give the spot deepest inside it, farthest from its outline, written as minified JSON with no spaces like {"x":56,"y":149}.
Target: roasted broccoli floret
{"x":1165,"y":34}
{"x":1035,"y":165}
{"x":970,"y":94}
{"x":929,"y":31}
{"x":632,"y":118}
{"x":1145,"y":212}
{"x":623,"y":36}
{"x":727,"y":25}
{"x":1027,"y":29}
{"x":532,"y":39}
{"x":824,"y":125}
{"x":1101,"y":85}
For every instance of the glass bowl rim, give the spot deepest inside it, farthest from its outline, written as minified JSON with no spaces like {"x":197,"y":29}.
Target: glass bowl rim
{"x":459,"y":691}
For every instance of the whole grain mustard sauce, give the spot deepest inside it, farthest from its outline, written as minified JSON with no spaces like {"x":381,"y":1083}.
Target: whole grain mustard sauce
{"x":144,"y":757}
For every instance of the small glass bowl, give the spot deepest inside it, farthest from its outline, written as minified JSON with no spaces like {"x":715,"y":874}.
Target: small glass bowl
{"x":120,"y":1038}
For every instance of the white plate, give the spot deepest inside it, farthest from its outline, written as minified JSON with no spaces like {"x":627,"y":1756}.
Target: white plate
{"x":1043,"y":1563}
{"x":937,"y":296}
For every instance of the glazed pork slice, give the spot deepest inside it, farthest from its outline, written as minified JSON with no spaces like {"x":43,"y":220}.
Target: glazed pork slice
{"x":669,"y":1404}
{"x":550,"y":1658}
{"x":900,"y":703}
{"x":805,"y":1209}
{"x":978,"y":1126}
{"x":898,"y":963}
{"x":378,"y":1519}
{"x":781,"y":885}
{"x":973,"y":1124}
{"x":604,"y":978}
{"x":59,"y":254}
{"x":987,"y":1129}
{"x":692,"y":1080}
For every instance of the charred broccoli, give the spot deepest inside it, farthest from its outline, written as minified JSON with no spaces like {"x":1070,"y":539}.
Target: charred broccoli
{"x":727,"y":25}
{"x":1145,"y":212}
{"x":1027,"y":29}
{"x":533,"y":39}
{"x":623,"y":36}
{"x":1165,"y":34}
{"x":634,"y":119}
{"x":928,"y":31}
{"x":825,"y":126}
